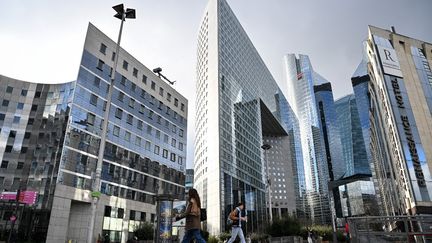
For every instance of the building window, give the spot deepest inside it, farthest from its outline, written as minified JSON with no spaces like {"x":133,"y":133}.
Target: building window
{"x":125,"y":65}
{"x":113,"y":56}
{"x":34,"y":108}
{"x":132,"y":215}
{"x":176,"y":102}
{"x":165,"y":153}
{"x":149,"y":129}
{"x":127,"y":136}
{"x":133,"y":87}
{"x":147,"y":145}
{"x":2,"y":116}
{"x":24,"y":92}
{"x":180,"y":146}
{"x":157,"y":134}
{"x":168,"y":110}
{"x":143,"y":94}
{"x":100,"y":65}
{"x":142,"y":109}
{"x":182,"y":106}
{"x":91,"y":118}
{"x":140,"y":125}
{"x":23,"y":150}
{"x":9,"y":89}
{"x":16,"y":119}
{"x":175,"y":115}
{"x":156,"y":149}
{"x":159,"y":119}
{"x":165,"y":138}
{"x":116,"y":131}
{"x":135,"y":72}
{"x":131,"y":103}
{"x":27,"y":135}
{"x":12,"y":134}
{"x":161,"y":91}
{"x":20,"y":106}
{"x":160,"y":105}
{"x":5,"y":103}
{"x":173,"y":157}
{"x":150,"y":115}
{"x":20,"y":165}
{"x":120,"y":96}
{"x":107,"y":212}
{"x":103,"y":48}
{"x":38,"y":94}
{"x":30,"y":121}
{"x":120,"y":213}
{"x":4,"y":164}
{"x":123,"y":80}
{"x":174,"y":129}
{"x":169,"y":97}
{"x":153,"y":85}
{"x":8,"y":149}
{"x":143,"y":216}
{"x":180,"y":160}
{"x":119,"y":113}
{"x":173,"y":142}
{"x":181,"y":133}
{"x":93,"y":99}
{"x":96,"y":81}
{"x":129,"y":119}
{"x":138,"y":141}
{"x":144,"y":79}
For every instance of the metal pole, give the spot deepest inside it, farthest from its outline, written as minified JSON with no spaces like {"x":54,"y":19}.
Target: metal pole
{"x":96,"y":182}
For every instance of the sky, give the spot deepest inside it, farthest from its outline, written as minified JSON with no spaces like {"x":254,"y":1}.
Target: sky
{"x":42,"y":41}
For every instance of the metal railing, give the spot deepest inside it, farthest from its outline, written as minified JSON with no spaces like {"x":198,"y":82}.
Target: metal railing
{"x":390,"y":229}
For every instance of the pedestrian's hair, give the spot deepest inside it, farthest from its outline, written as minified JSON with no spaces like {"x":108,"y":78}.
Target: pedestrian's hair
{"x":194,"y":194}
{"x":240,"y":204}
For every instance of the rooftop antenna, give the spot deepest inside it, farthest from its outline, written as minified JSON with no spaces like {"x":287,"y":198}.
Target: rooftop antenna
{"x":158,"y":70}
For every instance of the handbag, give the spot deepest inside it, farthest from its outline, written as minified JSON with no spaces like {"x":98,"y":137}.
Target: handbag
{"x":203,"y":214}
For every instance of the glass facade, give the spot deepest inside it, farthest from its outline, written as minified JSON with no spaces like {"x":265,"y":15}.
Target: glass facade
{"x":353,"y":144}
{"x":301,"y":80}
{"x":400,"y":117}
{"x":233,"y":111}
{"x":32,"y":126}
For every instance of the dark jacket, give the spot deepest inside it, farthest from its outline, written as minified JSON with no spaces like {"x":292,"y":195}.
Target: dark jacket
{"x":192,"y":215}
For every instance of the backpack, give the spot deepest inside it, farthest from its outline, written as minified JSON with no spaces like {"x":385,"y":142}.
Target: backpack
{"x":232,"y":214}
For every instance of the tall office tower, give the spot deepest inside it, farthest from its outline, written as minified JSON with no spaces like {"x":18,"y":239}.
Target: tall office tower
{"x":301,"y":79}
{"x":32,"y":126}
{"x":145,"y":153}
{"x":401,"y":120}
{"x":234,"y":115}
{"x":357,"y":197}
{"x":189,"y":179}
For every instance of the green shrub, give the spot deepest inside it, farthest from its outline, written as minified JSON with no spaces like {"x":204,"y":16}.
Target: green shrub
{"x":145,"y":231}
{"x":212,"y":239}
{"x":224,"y":236}
{"x":259,"y":238}
{"x":284,"y":227}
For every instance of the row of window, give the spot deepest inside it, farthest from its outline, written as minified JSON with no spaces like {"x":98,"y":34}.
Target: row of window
{"x":125,"y":66}
{"x":5,"y":164}
{"x":114,"y":212}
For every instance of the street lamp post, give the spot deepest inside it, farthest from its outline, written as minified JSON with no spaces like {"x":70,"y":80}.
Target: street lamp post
{"x":266,"y":147}
{"x":121,"y":14}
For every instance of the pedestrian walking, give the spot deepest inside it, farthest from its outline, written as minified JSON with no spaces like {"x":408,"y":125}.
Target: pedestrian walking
{"x":192,"y":215}
{"x":236,"y":217}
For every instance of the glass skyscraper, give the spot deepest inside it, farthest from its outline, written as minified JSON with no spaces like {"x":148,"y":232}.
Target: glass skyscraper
{"x":32,"y":131}
{"x":401,"y":122}
{"x":234,"y":115}
{"x":314,"y":176}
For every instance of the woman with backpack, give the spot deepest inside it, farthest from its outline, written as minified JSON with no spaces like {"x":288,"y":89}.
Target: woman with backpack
{"x":236,"y":217}
{"x":192,"y":215}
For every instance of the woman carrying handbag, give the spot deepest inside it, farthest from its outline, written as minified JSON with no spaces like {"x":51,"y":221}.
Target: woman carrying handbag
{"x":192,"y":215}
